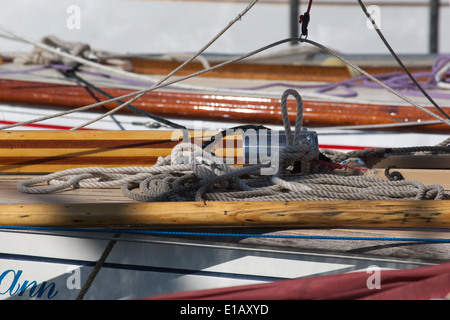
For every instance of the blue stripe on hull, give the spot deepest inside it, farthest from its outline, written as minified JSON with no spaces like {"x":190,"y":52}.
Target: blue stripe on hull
{"x":180,"y":271}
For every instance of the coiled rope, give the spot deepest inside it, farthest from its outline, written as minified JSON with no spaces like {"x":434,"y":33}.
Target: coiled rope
{"x":190,"y":173}
{"x":202,"y":169}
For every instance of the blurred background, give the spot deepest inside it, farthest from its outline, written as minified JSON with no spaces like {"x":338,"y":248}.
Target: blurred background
{"x":153,"y":27}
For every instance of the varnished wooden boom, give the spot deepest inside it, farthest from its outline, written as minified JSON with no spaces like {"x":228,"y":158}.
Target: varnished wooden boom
{"x":232,"y":108}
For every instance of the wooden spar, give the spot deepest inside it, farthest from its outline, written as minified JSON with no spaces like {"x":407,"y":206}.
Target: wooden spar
{"x":306,"y":214}
{"x":46,"y":151}
{"x":50,"y":151}
{"x":209,"y":107}
{"x":265,"y":71}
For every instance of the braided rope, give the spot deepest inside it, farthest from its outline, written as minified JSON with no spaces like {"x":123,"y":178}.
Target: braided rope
{"x":190,"y":173}
{"x":368,"y":153}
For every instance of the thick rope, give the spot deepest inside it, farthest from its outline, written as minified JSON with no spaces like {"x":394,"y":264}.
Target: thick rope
{"x":337,"y":156}
{"x":44,"y":57}
{"x":190,"y":173}
{"x":445,"y":143}
{"x":98,"y":266}
{"x":93,"y":177}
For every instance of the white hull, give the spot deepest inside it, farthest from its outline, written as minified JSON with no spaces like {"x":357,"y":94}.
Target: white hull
{"x":55,"y":265}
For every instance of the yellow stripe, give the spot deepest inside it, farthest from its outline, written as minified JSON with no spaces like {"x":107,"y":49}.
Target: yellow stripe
{"x":79,"y":152}
{"x":226,"y":150}
{"x":173,"y":135}
{"x":54,"y":168}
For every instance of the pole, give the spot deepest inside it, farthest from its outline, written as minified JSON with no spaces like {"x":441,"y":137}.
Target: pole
{"x":294,"y":16}
{"x":434,"y":26}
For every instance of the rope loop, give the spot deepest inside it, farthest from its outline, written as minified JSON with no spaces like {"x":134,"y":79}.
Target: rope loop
{"x":296,"y":149}
{"x":191,"y":173}
{"x":285,"y":116}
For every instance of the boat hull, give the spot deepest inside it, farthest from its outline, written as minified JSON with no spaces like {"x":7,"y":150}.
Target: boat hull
{"x":56,"y":265}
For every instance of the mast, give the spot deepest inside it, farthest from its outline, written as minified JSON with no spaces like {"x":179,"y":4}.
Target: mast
{"x":293,"y":15}
{"x":434,"y":26}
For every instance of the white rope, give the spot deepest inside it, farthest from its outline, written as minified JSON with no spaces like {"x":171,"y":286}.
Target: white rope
{"x":190,"y":173}
{"x":146,"y":78}
{"x":92,"y":178}
{"x":204,"y":174}
{"x":44,"y":57}
{"x":72,"y":57}
{"x":335,"y":187}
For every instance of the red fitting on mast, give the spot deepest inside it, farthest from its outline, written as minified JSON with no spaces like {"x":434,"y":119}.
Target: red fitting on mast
{"x":304,"y":20}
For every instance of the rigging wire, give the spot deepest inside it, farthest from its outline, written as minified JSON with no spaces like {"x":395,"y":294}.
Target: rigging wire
{"x":401,"y":96}
{"x":91,"y":86}
{"x":135,"y":95}
{"x":396,"y":84}
{"x":165,"y":81}
{"x":386,"y":43}
{"x":139,"y":93}
{"x":162,"y":83}
{"x":322,"y":88}
{"x":71,"y":74}
{"x":199,"y":52}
